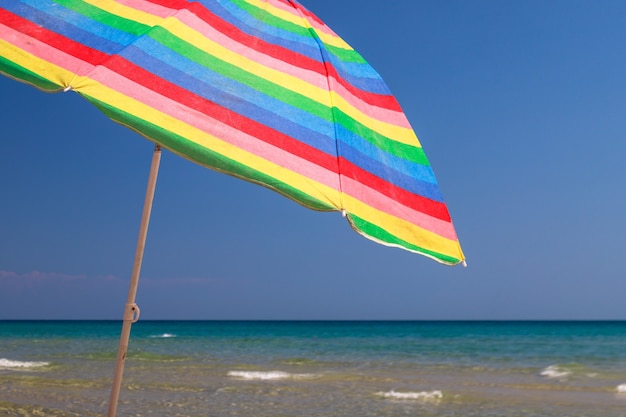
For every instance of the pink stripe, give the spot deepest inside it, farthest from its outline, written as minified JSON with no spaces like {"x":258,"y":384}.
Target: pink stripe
{"x":187,"y":115}
{"x":205,"y":123}
{"x":148,"y":7}
{"x":313,"y":78}
{"x":45,"y":52}
{"x":269,"y":152}
{"x":296,"y":13}
{"x":218,"y":37}
{"x":386,"y":204}
{"x":235,"y":137}
{"x":384,"y":115}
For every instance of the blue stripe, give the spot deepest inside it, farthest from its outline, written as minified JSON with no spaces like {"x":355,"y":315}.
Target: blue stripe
{"x":362,"y":76}
{"x":251,"y":103}
{"x":392,"y":173}
{"x":72,"y":25}
{"x":109,"y":40}
{"x":371,"y":151}
{"x":346,"y":71}
{"x":303,"y":45}
{"x":232,"y":95}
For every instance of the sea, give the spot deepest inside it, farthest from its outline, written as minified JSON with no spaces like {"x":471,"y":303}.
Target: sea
{"x":316,"y":368}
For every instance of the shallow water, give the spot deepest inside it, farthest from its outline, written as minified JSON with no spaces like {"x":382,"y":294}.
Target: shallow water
{"x":317,"y":369}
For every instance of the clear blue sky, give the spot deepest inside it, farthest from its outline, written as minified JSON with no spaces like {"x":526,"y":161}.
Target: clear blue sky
{"x":520,"y":106}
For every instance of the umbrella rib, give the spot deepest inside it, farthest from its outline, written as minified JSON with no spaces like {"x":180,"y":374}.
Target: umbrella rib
{"x":332,"y":102}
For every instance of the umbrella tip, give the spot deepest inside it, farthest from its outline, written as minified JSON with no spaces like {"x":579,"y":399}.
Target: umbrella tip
{"x":68,"y":88}
{"x":343,"y":213}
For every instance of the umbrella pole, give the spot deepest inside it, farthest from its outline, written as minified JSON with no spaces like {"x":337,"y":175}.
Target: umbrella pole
{"x":131,"y":310}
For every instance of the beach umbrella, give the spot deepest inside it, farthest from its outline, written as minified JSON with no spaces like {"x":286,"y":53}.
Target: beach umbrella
{"x":259,"y":89}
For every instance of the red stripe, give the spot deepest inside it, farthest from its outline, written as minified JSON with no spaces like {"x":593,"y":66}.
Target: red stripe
{"x":417,"y":202}
{"x":147,"y":79}
{"x":253,"y":128}
{"x":262,"y":132}
{"x":279,"y":52}
{"x":305,"y":11}
{"x":57,"y":41}
{"x":274,"y":137}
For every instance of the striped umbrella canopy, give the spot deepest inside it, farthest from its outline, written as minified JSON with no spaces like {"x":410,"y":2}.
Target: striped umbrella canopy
{"x":259,"y":89}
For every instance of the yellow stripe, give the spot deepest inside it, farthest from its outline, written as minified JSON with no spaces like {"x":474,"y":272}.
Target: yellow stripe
{"x":176,"y":27}
{"x":398,"y":227}
{"x":131,"y":13}
{"x":63,"y":78}
{"x":116,"y":99}
{"x":394,"y":132}
{"x":300,"y":21}
{"x":211,"y":47}
{"x":404,"y":230}
{"x":41,"y":67}
{"x":399,"y":134}
{"x":394,"y":225}
{"x":129,"y":105}
{"x":295,"y":84}
{"x":126,"y":12}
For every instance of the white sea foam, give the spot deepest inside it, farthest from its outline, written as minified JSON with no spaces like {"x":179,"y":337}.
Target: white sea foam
{"x":554,"y":372}
{"x":422,"y":395}
{"x":621,"y":388}
{"x":164,"y":335}
{"x":264,"y":376}
{"x":7,"y":363}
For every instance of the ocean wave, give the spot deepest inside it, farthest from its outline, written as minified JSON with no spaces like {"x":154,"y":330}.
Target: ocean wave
{"x":7,"y":363}
{"x":422,"y":395}
{"x":265,"y":376}
{"x":164,"y":335}
{"x":554,"y":372}
{"x":621,"y":388}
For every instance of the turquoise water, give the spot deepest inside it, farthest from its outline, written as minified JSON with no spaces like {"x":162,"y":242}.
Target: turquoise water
{"x":342,"y":369}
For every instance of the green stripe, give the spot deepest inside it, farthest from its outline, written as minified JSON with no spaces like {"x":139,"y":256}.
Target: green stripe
{"x":287,"y":96}
{"x":345,"y":55}
{"x":381,"y":234}
{"x":104,"y":17}
{"x":208,"y":158}
{"x":410,"y":153}
{"x":240,"y":75}
{"x":401,"y":150}
{"x":20,"y":73}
